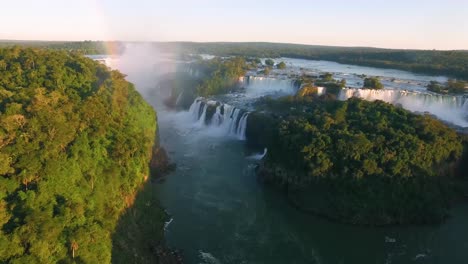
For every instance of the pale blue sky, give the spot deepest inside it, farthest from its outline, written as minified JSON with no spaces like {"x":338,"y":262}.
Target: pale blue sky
{"x":429,"y":24}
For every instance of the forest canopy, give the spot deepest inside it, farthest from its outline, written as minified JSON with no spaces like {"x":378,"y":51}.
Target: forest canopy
{"x":75,"y":143}
{"x":366,"y":162}
{"x":452,"y":63}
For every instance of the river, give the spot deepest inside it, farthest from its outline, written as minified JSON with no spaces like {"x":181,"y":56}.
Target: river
{"x":221,"y":214}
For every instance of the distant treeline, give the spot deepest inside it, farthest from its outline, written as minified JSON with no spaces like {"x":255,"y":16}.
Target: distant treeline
{"x":83,"y":47}
{"x":434,"y":62}
{"x":450,"y":63}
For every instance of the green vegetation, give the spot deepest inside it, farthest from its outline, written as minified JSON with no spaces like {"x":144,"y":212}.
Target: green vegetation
{"x":75,"y":143}
{"x":222,"y":75}
{"x":452,"y":87}
{"x":281,"y":65}
{"x":450,"y":63}
{"x":269,"y":62}
{"x":357,"y":161}
{"x":82,"y":47}
{"x":266,"y":71}
{"x":325,"y":80}
{"x":372,"y":83}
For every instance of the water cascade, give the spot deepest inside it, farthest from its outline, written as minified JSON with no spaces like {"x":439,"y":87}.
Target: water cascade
{"x":259,"y":86}
{"x":449,"y":108}
{"x":231,"y":121}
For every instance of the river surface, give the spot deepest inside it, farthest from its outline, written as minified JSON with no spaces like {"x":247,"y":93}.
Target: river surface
{"x":221,"y":214}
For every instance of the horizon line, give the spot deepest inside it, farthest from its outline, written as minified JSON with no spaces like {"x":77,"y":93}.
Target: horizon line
{"x":222,"y":42}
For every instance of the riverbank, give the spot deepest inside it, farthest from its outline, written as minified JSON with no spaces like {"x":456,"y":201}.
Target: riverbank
{"x":139,"y":236}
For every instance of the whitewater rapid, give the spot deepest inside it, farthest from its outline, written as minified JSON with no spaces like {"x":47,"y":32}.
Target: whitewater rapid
{"x":449,"y":108}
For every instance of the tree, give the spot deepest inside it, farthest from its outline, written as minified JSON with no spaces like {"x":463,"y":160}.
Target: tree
{"x":267,"y":70}
{"x":454,"y":86}
{"x":372,"y":83}
{"x":327,"y":77}
{"x":269,"y":62}
{"x":281,"y":65}
{"x":434,"y":86}
{"x":343,"y":83}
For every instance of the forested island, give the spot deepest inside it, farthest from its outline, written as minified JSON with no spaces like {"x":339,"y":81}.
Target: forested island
{"x":76,"y":140}
{"x":358,"y":162}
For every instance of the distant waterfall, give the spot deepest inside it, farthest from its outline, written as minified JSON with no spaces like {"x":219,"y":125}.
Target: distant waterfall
{"x":179,"y":97}
{"x":231,"y":120}
{"x":256,"y":86}
{"x":453,"y":109}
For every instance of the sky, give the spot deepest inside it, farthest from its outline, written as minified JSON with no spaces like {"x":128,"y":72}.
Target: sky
{"x":411,"y":24}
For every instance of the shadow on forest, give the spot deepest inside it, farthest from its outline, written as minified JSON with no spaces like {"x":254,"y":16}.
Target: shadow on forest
{"x":139,"y":235}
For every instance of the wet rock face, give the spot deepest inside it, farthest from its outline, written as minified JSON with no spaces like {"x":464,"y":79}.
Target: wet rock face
{"x":160,"y":163}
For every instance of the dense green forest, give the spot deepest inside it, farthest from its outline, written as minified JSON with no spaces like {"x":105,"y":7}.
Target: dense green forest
{"x":84,"y":47}
{"x":357,"y":161}
{"x":207,"y":78}
{"x":75,"y":144}
{"x":452,"y":87}
{"x":450,"y":63}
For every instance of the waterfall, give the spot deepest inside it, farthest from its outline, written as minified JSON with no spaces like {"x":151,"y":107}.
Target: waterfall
{"x":217,"y":118}
{"x":194,"y":109}
{"x":229,"y":120}
{"x":258,"y":156}
{"x":242,"y":126}
{"x":179,"y":98}
{"x":259,"y":86}
{"x":321,"y":90}
{"x":233,"y":121}
{"x":449,"y":108}
{"x":201,"y":120}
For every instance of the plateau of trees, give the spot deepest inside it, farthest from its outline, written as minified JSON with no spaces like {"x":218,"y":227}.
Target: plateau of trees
{"x":221,"y":75}
{"x":452,"y":87}
{"x":372,"y":83}
{"x":75,"y":144}
{"x":357,"y":161}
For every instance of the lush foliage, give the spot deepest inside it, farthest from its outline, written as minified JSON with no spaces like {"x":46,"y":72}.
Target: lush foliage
{"x":357,"y":161}
{"x":269,"y":62}
{"x":75,"y":143}
{"x":281,"y":65}
{"x":325,"y":80}
{"x":452,"y":86}
{"x":83,"y":47}
{"x":450,"y":63}
{"x":372,"y":83}
{"x":221,"y":75}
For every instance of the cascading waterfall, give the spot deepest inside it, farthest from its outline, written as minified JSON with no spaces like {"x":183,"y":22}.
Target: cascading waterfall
{"x":195,"y":109}
{"x":232,"y":121}
{"x":242,"y":126}
{"x":321,"y":90}
{"x":453,"y":109}
{"x":256,"y":86}
{"x":201,"y":120}
{"x":217,"y":118}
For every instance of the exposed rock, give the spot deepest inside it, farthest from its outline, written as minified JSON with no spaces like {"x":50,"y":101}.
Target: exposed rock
{"x":160,"y":163}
